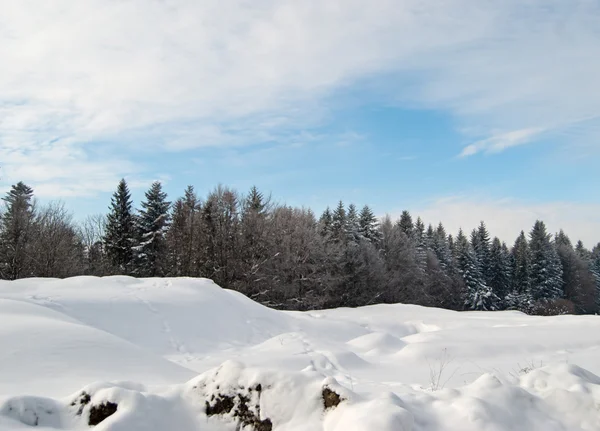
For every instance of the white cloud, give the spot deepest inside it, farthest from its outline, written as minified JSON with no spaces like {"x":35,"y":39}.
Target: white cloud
{"x":179,"y":74}
{"x":506,"y":217}
{"x":501,"y":141}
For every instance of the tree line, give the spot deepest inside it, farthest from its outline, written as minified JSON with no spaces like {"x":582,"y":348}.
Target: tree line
{"x":289,"y":258}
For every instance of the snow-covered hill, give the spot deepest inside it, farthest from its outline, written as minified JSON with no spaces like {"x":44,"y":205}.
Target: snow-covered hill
{"x":184,"y":354}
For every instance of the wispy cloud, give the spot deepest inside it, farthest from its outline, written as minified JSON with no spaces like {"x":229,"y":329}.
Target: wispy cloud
{"x":501,"y":142}
{"x":183,"y":74}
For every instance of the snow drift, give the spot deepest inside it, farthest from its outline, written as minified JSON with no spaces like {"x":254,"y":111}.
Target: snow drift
{"x":185,"y":354}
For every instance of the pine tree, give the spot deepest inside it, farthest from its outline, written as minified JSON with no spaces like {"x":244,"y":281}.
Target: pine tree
{"x":254,"y":227}
{"x":478,"y":295}
{"x":176,"y":238}
{"x":595,"y":268}
{"x":582,"y":252}
{"x":441,"y":248}
{"x":480,"y":241}
{"x":499,"y":269}
{"x":182,"y":237}
{"x":521,"y":259}
{"x":152,"y":223}
{"x":369,"y":227}
{"x":17,"y":222}
{"x":338,"y":223}
{"x":561,"y":238}
{"x":520,"y":297}
{"x":429,"y":237}
{"x":579,"y":285}
{"x":420,"y":244}
{"x":325,"y":223}
{"x":406,"y":224}
{"x":546,"y":272}
{"x":352,"y":224}
{"x":119,"y":238}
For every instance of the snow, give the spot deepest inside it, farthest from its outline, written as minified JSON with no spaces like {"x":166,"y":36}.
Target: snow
{"x":161,"y":349}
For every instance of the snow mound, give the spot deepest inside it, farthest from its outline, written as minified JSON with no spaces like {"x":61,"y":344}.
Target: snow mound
{"x":234,"y":397}
{"x":58,"y":353}
{"x":377,"y":343}
{"x":229,"y":397}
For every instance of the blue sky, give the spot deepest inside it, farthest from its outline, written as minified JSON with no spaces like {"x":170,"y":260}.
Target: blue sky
{"x":455,"y":110}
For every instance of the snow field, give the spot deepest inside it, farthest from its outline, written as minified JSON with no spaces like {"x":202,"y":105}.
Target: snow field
{"x":186,"y":343}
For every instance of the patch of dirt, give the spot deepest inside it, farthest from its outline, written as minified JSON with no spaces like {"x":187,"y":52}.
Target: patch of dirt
{"x":82,"y":400}
{"x":100,"y":412}
{"x":247,"y":415}
{"x":221,"y":404}
{"x":331,"y":399}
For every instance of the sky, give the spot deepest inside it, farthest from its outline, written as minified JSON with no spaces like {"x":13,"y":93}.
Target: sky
{"x":456,"y":110}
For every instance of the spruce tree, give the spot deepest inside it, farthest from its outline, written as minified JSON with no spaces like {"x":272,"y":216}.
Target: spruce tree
{"x":561,"y":239}
{"x":17,"y":222}
{"x":119,"y":239}
{"x":480,"y":241}
{"x":406,"y":224}
{"x":499,"y":269}
{"x":325,"y":223}
{"x":254,"y":227}
{"x":545,"y":272}
{"x":595,"y":268}
{"x":152,"y":224}
{"x":369,"y":227}
{"x":478,"y":295}
{"x":176,"y":239}
{"x":338,"y":223}
{"x":420,"y":244}
{"x":520,"y":296}
{"x":441,"y":248}
{"x":521,"y":260}
{"x":581,"y":251}
{"x":429,"y":237}
{"x":451,"y":245}
{"x":579,"y":284}
{"x":352,"y":224}
{"x":182,"y":237}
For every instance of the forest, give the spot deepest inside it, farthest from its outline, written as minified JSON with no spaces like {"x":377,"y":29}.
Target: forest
{"x":290,"y":258}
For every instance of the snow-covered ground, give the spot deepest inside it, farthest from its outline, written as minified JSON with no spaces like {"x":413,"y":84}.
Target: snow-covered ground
{"x":184,"y":354}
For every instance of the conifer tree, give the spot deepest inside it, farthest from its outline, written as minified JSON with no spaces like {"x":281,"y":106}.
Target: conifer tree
{"x":441,"y":248}
{"x":520,"y":296}
{"x":499,"y":269}
{"x":369,"y":227}
{"x":183,"y":235}
{"x":325,"y":223}
{"x":406,"y":224}
{"x":17,"y":222}
{"x":545,"y":272}
{"x":578,"y":282}
{"x":152,"y":223}
{"x":429,"y":237}
{"x":521,"y":261}
{"x":478,"y":295}
{"x":254,"y":227}
{"x":480,"y":241}
{"x":581,"y":251}
{"x":119,"y":238}
{"x":595,"y":268}
{"x":352,"y":224}
{"x":338,"y":222}
{"x":561,"y":239}
{"x":420,"y":244}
